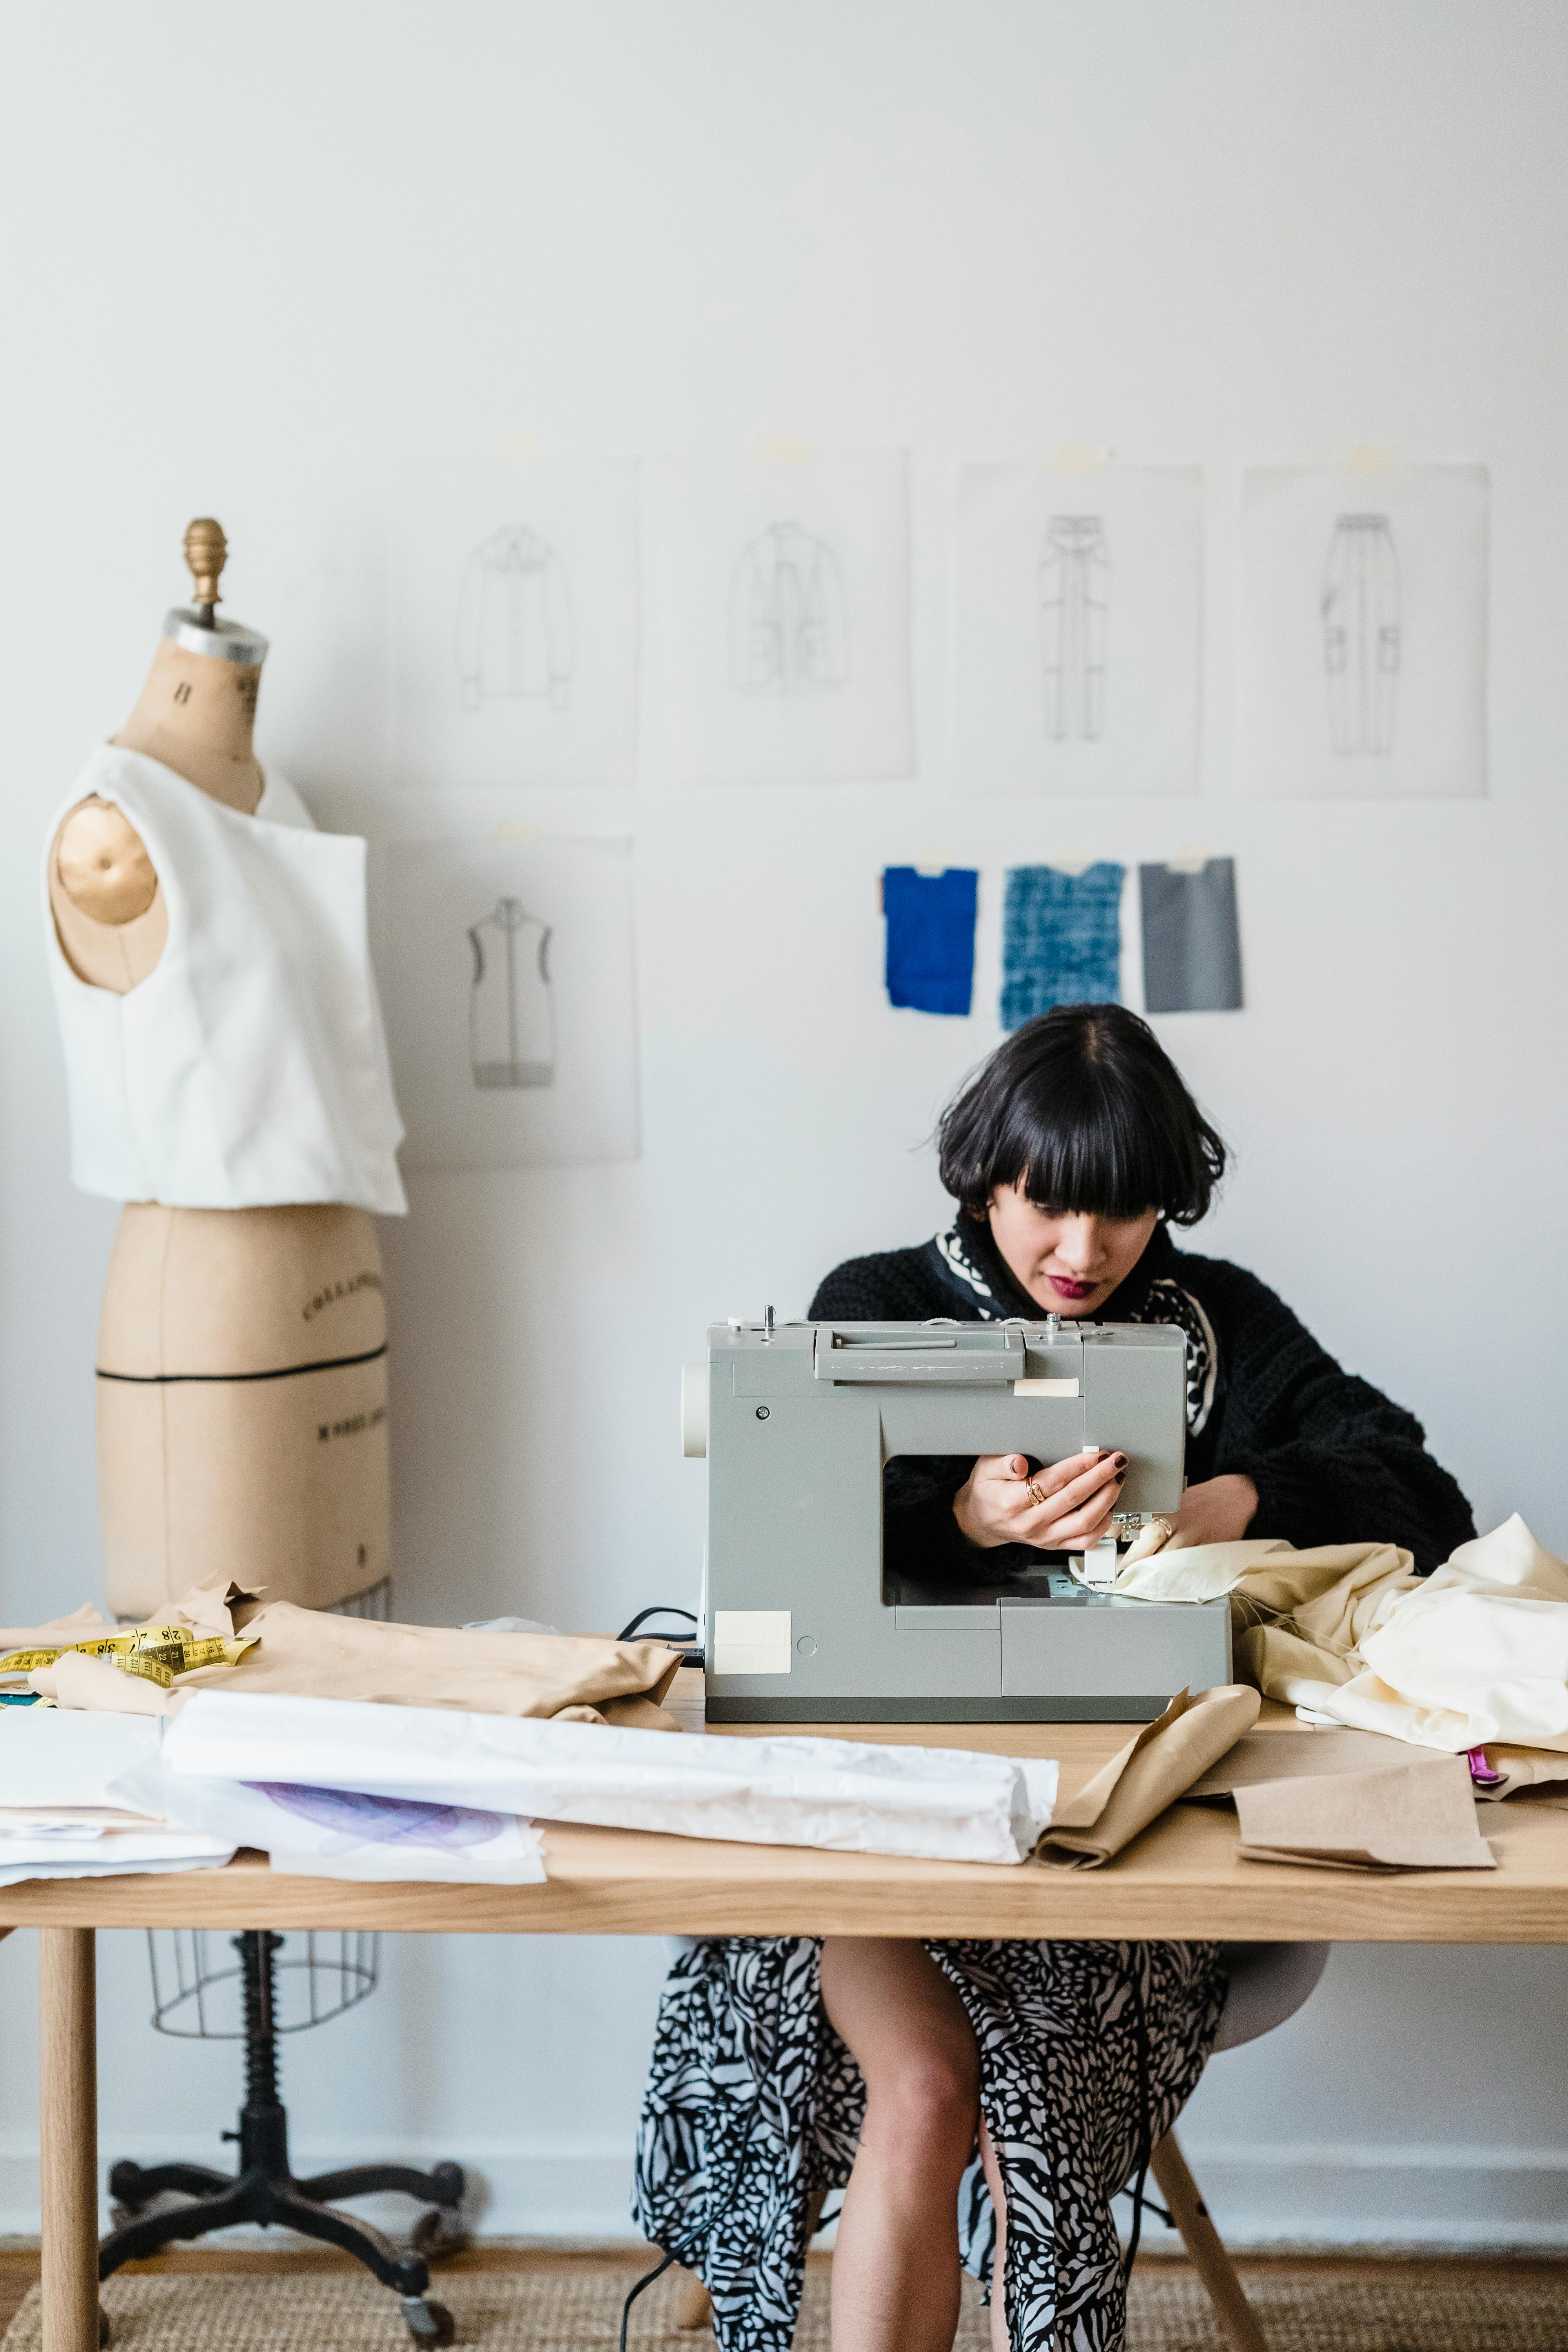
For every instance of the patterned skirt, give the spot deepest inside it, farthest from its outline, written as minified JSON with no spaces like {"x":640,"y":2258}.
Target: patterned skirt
{"x":1088,"y":2054}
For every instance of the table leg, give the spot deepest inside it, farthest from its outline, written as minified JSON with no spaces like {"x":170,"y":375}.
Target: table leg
{"x":68,"y":2035}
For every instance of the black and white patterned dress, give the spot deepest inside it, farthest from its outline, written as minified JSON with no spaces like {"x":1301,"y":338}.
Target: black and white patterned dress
{"x":1088,"y":2054}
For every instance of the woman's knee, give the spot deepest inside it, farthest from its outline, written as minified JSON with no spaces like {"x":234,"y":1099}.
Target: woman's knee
{"x":931,"y":2089}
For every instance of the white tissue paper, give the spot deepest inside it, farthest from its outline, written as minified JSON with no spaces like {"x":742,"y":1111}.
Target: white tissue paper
{"x":939,"y":1804}
{"x":322,"y":1832}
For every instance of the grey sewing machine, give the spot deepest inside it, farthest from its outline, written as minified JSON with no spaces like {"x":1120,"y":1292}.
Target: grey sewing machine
{"x":806,"y":1620}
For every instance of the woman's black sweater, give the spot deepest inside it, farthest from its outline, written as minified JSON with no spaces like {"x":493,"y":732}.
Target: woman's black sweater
{"x":1332,"y":1460}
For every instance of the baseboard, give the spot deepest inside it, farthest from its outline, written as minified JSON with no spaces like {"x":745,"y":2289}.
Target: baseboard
{"x":1444,"y":2194}
{"x":1440,"y":2194}
{"x":516,"y":2190}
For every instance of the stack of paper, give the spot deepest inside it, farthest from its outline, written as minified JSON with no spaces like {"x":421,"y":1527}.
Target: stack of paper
{"x":1419,"y":1815}
{"x":60,"y":1813}
{"x":936,"y":1803}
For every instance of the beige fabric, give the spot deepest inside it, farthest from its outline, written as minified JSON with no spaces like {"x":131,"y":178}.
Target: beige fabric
{"x":576,"y":1678}
{"x":78,"y":1682}
{"x":1299,"y":1753}
{"x":1146,"y":1776}
{"x":1476,"y":1653}
{"x":1537,"y":1771}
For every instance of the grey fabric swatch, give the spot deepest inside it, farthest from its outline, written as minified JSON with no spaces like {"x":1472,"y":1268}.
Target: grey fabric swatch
{"x":1191,"y":948}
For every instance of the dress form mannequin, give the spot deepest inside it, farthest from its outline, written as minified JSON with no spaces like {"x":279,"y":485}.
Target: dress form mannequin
{"x":242,"y":1351}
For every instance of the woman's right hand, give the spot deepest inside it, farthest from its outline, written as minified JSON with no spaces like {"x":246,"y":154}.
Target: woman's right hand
{"x":996,"y":1506}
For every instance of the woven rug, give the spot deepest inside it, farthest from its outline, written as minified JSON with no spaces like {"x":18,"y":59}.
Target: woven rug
{"x":579,"y":2311}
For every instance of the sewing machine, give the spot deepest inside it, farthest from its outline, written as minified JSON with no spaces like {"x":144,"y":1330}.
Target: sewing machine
{"x":805,"y":1619}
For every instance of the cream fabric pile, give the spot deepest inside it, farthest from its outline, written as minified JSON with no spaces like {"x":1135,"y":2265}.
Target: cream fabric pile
{"x":1476,"y":1653}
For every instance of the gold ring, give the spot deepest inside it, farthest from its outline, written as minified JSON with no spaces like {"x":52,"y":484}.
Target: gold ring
{"x":1164,"y":1529}
{"x":1033,"y":1490}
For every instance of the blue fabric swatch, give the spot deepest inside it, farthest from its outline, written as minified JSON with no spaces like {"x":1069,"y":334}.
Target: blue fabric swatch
{"x":930,"y":938}
{"x":1061,"y":939}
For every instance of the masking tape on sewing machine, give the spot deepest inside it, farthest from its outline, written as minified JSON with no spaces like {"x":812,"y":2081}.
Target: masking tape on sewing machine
{"x":1044,"y":1388}
{"x":156,"y":1652}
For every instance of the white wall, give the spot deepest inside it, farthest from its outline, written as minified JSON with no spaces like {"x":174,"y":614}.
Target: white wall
{"x":250,"y":256}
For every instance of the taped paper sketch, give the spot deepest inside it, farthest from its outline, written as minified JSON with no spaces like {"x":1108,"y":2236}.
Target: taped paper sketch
{"x":1077,"y":629}
{"x":511,"y":1007}
{"x":788,"y":633}
{"x":1361,"y":633}
{"x":514,"y":621}
{"x":509,"y":984}
{"x":784,"y":612}
{"x":1075,"y":616}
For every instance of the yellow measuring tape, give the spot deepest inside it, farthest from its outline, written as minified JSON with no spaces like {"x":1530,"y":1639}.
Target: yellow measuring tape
{"x":157,"y":1652}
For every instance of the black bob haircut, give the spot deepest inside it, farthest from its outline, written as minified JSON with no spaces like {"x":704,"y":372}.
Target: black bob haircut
{"x":1086,"y":1111}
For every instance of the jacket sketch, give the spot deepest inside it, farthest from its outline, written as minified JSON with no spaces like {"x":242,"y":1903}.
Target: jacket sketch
{"x":1075,"y":611}
{"x":512,"y":1004}
{"x":788,"y":626}
{"x":514,"y":621}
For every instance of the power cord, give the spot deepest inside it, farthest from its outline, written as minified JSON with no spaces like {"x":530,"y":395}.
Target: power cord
{"x":664,"y":1609}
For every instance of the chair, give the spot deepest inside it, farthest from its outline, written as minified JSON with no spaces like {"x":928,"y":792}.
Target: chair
{"x":1269,"y":1983}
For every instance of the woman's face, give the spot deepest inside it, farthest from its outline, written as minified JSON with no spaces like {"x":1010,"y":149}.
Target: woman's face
{"x":1069,"y":1264}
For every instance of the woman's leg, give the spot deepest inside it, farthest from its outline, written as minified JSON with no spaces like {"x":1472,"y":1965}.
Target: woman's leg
{"x":895,"y":2266}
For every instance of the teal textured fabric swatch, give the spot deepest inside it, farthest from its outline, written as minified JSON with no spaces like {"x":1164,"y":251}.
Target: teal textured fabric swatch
{"x":1061,"y":939}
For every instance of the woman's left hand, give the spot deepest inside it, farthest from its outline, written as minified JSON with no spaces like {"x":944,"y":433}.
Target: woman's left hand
{"x":1217,"y":1511}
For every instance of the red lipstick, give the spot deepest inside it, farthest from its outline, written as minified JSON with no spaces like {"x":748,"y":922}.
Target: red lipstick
{"x":1070,"y":1289}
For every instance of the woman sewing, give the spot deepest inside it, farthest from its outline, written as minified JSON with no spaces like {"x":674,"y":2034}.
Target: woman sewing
{"x":985,"y":2101}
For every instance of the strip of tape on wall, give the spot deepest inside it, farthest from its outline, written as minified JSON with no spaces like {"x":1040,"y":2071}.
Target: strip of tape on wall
{"x":750,"y":1642}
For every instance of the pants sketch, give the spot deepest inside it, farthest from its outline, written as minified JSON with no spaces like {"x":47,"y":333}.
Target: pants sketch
{"x":514,"y":621}
{"x":512,"y":1005}
{"x":1075,"y":613}
{"x":1361,"y":633}
{"x":788,"y":631}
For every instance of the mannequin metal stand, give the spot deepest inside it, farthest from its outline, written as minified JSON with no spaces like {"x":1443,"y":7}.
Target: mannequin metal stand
{"x":265,"y":2190}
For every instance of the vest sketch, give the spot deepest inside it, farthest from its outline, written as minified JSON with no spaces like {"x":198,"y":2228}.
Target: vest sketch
{"x":512,"y":1005}
{"x":1361,"y":633}
{"x":1074,"y":578}
{"x":515,"y":636}
{"x":788,"y":626}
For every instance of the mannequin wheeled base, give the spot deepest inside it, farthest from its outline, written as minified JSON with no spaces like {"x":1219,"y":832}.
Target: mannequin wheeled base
{"x":264,"y":2191}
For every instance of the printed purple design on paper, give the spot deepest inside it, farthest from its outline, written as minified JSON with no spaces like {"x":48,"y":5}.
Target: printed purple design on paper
{"x":386,"y":1820}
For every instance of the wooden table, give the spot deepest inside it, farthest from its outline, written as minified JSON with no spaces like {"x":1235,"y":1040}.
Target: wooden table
{"x":1182,"y":1878}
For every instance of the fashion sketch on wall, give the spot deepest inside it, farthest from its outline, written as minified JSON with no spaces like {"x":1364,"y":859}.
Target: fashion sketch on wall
{"x":788,"y":622}
{"x":512,"y":1007}
{"x":1075,"y":619}
{"x":515,"y":622}
{"x":783,"y":603}
{"x":1076,"y":628}
{"x":507,"y":973}
{"x":1361,"y":632}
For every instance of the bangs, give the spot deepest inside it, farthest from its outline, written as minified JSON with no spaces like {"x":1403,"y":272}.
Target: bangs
{"x":1083,"y":1110}
{"x":1092,"y":1159}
